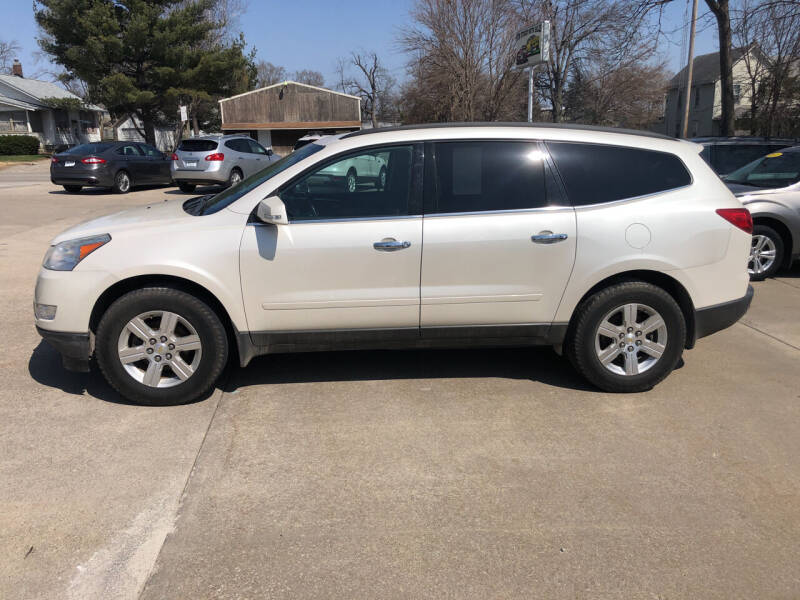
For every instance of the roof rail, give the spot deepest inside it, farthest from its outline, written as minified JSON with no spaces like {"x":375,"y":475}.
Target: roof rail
{"x":566,"y":126}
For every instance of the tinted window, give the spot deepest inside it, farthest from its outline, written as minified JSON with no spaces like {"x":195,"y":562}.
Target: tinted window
{"x":88,"y":149}
{"x":594,"y":173}
{"x":729,"y":157}
{"x":483,"y":176}
{"x":375,"y":183}
{"x":219,"y":201}
{"x":197,"y":145}
{"x":777,"y":169}
{"x":150,"y":150}
{"x":129,"y":150}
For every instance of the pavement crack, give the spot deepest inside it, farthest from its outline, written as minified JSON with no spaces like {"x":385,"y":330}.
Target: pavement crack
{"x":769,"y":335}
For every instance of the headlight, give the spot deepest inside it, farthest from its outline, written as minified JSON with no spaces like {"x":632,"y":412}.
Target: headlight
{"x":66,"y":255}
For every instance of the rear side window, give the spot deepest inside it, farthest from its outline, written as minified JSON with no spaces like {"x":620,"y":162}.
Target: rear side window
{"x":129,"y":150}
{"x":594,"y":173}
{"x":488,"y":176}
{"x":729,"y":157}
{"x":239,"y":145}
{"x":197,"y":145}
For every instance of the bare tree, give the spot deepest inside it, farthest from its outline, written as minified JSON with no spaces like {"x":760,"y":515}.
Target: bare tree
{"x":362,"y":74}
{"x":269,"y":74}
{"x":8,"y":52}
{"x":770,"y":31}
{"x":462,"y":49}
{"x":309,"y":77}
{"x":614,"y":34}
{"x":721,"y":12}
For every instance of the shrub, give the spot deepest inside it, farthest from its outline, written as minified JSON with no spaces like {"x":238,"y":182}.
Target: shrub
{"x":19,"y":144}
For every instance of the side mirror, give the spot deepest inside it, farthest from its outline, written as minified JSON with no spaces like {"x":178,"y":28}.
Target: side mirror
{"x":272,"y":210}
{"x":269,"y":151}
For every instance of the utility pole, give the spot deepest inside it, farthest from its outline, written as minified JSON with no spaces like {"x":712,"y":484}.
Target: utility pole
{"x":689,"y":69}
{"x":530,"y":94}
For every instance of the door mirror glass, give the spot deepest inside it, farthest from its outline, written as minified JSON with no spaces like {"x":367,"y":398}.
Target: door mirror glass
{"x":269,"y":151}
{"x":272,"y":210}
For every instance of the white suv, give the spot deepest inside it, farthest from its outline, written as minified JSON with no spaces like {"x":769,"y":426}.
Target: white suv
{"x":618,"y":248}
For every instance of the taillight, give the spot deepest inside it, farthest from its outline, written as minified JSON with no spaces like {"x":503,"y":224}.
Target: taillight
{"x":54,"y":159}
{"x":93,"y":160}
{"x":174,"y":156}
{"x":216,"y":156}
{"x":740,"y":217}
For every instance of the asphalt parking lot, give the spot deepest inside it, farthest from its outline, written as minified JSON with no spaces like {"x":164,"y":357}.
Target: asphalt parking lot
{"x":414,"y":474}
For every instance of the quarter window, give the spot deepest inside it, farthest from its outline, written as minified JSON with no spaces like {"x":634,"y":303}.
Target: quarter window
{"x":374,"y":183}
{"x":594,"y":173}
{"x":488,"y":176}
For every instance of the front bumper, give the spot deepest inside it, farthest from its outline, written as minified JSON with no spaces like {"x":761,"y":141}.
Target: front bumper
{"x":75,"y":348}
{"x":721,"y":316}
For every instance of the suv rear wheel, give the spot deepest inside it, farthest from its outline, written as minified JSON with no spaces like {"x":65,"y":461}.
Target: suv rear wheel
{"x":627,"y":337}
{"x":161,"y":346}
{"x":766,"y":253}
{"x":235,"y":177}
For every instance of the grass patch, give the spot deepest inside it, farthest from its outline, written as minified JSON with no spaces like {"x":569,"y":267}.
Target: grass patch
{"x":22,"y":157}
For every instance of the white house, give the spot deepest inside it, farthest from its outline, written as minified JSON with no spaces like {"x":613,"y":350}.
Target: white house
{"x":129,"y":128}
{"x":23,"y":112}
{"x":705,"y":99}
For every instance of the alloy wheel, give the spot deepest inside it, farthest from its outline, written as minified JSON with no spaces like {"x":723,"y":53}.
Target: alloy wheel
{"x":159,"y":349}
{"x":762,"y":255}
{"x":123,"y":182}
{"x":630,"y":339}
{"x":351,"y":182}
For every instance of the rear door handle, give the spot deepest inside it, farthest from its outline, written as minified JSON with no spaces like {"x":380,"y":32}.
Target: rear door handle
{"x":390,"y":245}
{"x":548,"y":237}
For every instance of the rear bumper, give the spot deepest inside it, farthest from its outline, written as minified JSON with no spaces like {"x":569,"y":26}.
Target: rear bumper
{"x":82,"y":176}
{"x":199,"y":177}
{"x":721,"y":316}
{"x":75,"y":348}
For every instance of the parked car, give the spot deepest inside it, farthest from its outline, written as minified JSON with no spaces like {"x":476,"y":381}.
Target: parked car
{"x":367,"y":168}
{"x":620,"y":249}
{"x":218,"y":159}
{"x":116,"y":165}
{"x":770,"y":188}
{"x":726,"y":154}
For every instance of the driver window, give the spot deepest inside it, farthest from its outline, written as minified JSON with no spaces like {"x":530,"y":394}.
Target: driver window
{"x":375,"y":183}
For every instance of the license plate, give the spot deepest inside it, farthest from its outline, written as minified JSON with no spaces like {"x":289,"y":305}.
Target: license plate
{"x":191,"y":163}
{"x":69,"y":163}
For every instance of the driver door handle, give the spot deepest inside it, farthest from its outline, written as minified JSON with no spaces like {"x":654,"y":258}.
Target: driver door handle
{"x":548,"y":237}
{"x":390,"y":245}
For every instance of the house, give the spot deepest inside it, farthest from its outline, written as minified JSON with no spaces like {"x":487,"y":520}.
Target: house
{"x":705,"y":100}
{"x":278,"y":115}
{"x":129,"y":128}
{"x":24,"y":111}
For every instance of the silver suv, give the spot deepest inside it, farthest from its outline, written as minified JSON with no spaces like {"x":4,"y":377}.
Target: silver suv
{"x":218,"y":159}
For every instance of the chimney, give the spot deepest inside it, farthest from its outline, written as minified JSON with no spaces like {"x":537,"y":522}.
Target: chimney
{"x":16,"y":68}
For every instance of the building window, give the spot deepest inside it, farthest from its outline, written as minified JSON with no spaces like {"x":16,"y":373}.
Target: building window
{"x":13,"y":121}
{"x":737,"y":92}
{"x":697,"y":96}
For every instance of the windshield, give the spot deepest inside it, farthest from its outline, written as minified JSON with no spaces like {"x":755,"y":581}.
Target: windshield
{"x":87,"y":149}
{"x":225,"y":198}
{"x":776,"y":170}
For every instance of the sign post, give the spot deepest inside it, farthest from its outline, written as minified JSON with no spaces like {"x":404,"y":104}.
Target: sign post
{"x":531,"y":48}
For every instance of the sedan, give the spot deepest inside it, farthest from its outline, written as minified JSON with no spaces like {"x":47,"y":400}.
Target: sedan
{"x":115,"y":165}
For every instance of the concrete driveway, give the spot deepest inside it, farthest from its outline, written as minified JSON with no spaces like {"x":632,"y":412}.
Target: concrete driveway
{"x":418,"y":474}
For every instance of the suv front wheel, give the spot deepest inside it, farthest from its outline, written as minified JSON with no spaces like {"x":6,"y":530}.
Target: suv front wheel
{"x":627,"y":337}
{"x":161,"y":346}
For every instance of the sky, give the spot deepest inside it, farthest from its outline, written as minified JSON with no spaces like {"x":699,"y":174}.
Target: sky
{"x":312,"y":34}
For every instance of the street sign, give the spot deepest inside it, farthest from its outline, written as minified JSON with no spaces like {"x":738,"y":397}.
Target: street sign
{"x":532,"y":45}
{"x":184,"y":114}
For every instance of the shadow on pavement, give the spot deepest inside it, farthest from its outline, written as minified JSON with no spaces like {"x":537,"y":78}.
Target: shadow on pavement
{"x":45,"y":368}
{"x":198,"y":191}
{"x":535,"y":364}
{"x":100,"y":191}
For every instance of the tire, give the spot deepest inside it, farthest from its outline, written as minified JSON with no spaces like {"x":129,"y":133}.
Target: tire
{"x":351,"y":181}
{"x":187,"y":187}
{"x":198,"y":327}
{"x":73,"y":189}
{"x":766,"y":253}
{"x":122,"y":183}
{"x":235,"y":177}
{"x":634,"y":367}
{"x":381,"y":184}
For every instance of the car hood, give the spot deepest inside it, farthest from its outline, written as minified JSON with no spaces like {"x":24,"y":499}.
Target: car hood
{"x":156,"y":214}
